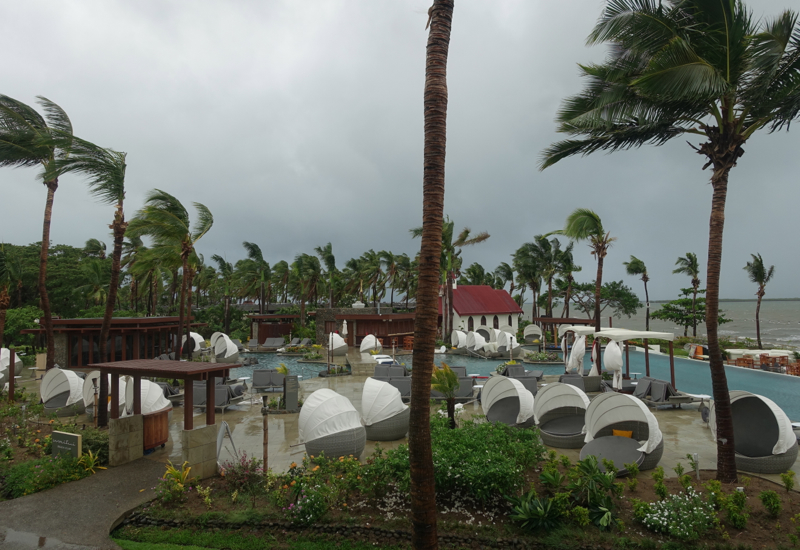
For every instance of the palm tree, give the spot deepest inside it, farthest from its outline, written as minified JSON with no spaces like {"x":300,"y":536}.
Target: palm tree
{"x":95,"y":248}
{"x":505,"y":273}
{"x":392,"y":273}
{"x":165,"y":219}
{"x":423,"y":489}
{"x":5,"y":299}
{"x":325,"y":254}
{"x":585,"y":225}
{"x":526,"y":265}
{"x":259,"y":271}
{"x":445,"y":381}
{"x":637,"y":267}
{"x":701,"y":67}
{"x":566,"y":267}
{"x":95,"y":289}
{"x":759,"y":275}
{"x":30,"y":139}
{"x":131,"y":248}
{"x":688,"y":265}
{"x":225,"y":270}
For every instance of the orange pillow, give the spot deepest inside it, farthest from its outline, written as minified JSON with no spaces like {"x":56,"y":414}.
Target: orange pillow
{"x":622,"y":433}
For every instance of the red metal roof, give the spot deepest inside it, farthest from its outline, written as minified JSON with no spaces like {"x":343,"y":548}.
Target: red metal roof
{"x":480,"y":300}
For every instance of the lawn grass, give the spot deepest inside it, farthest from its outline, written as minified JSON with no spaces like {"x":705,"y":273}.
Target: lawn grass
{"x":154,"y":538}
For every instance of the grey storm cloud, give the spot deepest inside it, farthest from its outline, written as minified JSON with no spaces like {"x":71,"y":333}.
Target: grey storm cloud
{"x":300,"y":123}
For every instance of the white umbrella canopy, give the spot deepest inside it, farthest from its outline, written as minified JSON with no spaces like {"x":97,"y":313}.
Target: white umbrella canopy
{"x":57,"y":381}
{"x":369,"y":343}
{"x":786,"y":436}
{"x":612,"y":359}
{"x":609,"y":408}
{"x":152,"y":397}
{"x":379,"y":401}
{"x":324,"y":413}
{"x":576,"y":355}
{"x":557,"y":395}
{"x":594,"y":371}
{"x":506,"y":341}
{"x":5,"y":358}
{"x":458,"y":339}
{"x":88,"y":388}
{"x":501,"y":387}
{"x":199,"y":342}
{"x":344,"y":327}
{"x":225,"y":350}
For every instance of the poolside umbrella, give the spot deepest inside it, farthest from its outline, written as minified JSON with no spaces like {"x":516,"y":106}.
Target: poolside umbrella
{"x":564,"y":349}
{"x":576,"y":357}
{"x":344,"y":328}
{"x":612,"y":359}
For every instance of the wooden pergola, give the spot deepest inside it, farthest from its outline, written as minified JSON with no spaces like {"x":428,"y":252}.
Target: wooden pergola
{"x":188,"y":371}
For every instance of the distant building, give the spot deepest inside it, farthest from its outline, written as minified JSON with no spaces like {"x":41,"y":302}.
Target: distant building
{"x":481,"y":306}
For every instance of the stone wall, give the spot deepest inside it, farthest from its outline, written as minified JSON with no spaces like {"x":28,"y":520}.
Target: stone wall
{"x":328,"y":314}
{"x":200,"y":450}
{"x":125,"y":440}
{"x":61,"y":349}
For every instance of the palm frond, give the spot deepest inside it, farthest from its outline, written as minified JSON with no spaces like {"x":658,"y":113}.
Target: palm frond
{"x":203,"y":223}
{"x":57,"y":119}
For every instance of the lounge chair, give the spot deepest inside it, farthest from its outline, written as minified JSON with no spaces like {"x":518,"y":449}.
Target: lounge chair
{"x":403,"y":385}
{"x":576,"y":380}
{"x":267,"y":381}
{"x":305,"y":342}
{"x":173,"y":393}
{"x":518,"y":371}
{"x":295,"y":342}
{"x":224,"y":395}
{"x":656,"y":392}
{"x":560,"y":411}
{"x":762,"y":433}
{"x":252,"y":345}
{"x":385,"y":416}
{"x":638,"y":438}
{"x":330,"y":424}
{"x":506,"y":400}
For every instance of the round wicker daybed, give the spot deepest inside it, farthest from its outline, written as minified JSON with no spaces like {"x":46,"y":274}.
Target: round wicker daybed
{"x":560,"y":412}
{"x":330,"y":424}
{"x":506,"y":400}
{"x":385,"y":415}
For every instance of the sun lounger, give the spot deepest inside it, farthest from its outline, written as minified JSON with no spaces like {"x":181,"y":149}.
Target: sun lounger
{"x":305,"y":342}
{"x":295,"y":342}
{"x":656,"y":392}
{"x":385,"y":416}
{"x":224,"y":395}
{"x":252,"y":345}
{"x":267,"y":381}
{"x":402,"y":384}
{"x":505,"y":400}
{"x":573,"y":380}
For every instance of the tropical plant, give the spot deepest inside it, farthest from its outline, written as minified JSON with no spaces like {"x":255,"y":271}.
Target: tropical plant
{"x":702,"y":67}
{"x":637,"y":267}
{"x":585,"y":225}
{"x":423,"y":489}
{"x":688,"y":265}
{"x":30,"y":139}
{"x":325,"y":254}
{"x":257,"y":274}
{"x":225,"y":270}
{"x":760,"y":275}
{"x":445,"y":381}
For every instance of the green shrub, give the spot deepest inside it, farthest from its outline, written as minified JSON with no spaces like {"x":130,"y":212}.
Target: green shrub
{"x":736,"y":507}
{"x":37,"y":475}
{"x":715,"y":495}
{"x":788,"y":480}
{"x":552,"y":478}
{"x":93,"y":439}
{"x":579,"y":516}
{"x":309,"y":507}
{"x":533,"y":513}
{"x":772,"y":503}
{"x":244,"y":475}
{"x":660,"y":489}
{"x":686,"y":516}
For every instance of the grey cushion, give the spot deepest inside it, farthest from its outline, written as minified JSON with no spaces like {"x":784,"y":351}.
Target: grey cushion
{"x":382,"y":371}
{"x":620,"y":450}
{"x":755,"y":430}
{"x":565,"y":425}
{"x":642,"y":388}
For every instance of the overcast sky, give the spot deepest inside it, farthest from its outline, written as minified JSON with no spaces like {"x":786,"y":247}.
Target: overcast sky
{"x":301,"y":123}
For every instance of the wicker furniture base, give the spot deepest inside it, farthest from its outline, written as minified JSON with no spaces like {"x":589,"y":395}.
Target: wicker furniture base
{"x":391,"y":429}
{"x":640,"y":433}
{"x":346,"y":443}
{"x":561,"y":439}
{"x":773,"y":464}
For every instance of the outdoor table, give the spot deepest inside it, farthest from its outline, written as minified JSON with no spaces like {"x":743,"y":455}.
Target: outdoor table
{"x":636,"y":375}
{"x":621,"y":450}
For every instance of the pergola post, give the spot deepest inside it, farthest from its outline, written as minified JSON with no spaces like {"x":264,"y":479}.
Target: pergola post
{"x":646,"y":357}
{"x":137,"y":394}
{"x":188,"y":401}
{"x":114,"y":396}
{"x":627,"y":361}
{"x":210,"y":400}
{"x":671,"y":365}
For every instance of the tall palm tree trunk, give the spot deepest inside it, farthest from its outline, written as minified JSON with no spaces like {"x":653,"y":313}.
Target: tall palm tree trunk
{"x":597,"y":288}
{"x":450,"y":308}
{"x":260,"y":300}
{"x":52,"y":185}
{"x":694,"y":304}
{"x":181,"y":305}
{"x":423,"y":489}
{"x":726,"y":463}
{"x":758,"y":318}
{"x":189,"y":341}
{"x":647,"y":311}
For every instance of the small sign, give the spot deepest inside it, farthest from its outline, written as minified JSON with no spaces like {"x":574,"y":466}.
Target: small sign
{"x":290,"y":392}
{"x":67,"y":444}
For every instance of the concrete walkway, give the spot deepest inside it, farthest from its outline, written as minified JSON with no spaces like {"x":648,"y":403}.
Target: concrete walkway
{"x":80,"y":514}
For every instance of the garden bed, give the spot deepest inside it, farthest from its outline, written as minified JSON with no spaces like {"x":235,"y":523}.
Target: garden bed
{"x":326,"y":374}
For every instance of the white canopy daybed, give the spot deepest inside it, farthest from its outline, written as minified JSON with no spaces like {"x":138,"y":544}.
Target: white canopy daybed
{"x":199,"y":343}
{"x":369,"y":343}
{"x":336,"y":345}
{"x":385,"y":415}
{"x":458,"y":339}
{"x":506,"y":400}
{"x":62,"y":392}
{"x":225,"y":350}
{"x":475,"y":342}
{"x":532,"y":334}
{"x":152,"y":396}
{"x":329,"y":423}
{"x":88,"y":391}
{"x":559,"y":411}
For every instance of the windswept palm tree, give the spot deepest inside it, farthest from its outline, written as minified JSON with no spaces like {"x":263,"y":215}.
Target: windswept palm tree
{"x":95,"y":248}
{"x":585,"y":225}
{"x":95,"y":289}
{"x":165,"y":219}
{"x":423,"y":489}
{"x":505,"y":273}
{"x":225,"y":270}
{"x":760,"y":275}
{"x":392,"y":273}
{"x":699,"y":67}
{"x":526,"y":265}
{"x":566,"y":267}
{"x":30,"y":139}
{"x":325,"y":254}
{"x":688,"y":265}
{"x":637,"y":267}
{"x":259,"y":273}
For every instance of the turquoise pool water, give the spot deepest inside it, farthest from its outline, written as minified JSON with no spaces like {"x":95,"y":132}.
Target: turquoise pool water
{"x":690,"y":376}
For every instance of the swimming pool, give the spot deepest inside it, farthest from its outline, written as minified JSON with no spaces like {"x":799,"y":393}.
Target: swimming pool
{"x":690,"y":376}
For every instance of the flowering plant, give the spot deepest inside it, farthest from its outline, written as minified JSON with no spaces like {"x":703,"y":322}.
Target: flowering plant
{"x":684,"y":516}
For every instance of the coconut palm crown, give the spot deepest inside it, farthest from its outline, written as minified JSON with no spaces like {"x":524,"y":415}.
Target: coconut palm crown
{"x":637,"y":267}
{"x":698,"y":67}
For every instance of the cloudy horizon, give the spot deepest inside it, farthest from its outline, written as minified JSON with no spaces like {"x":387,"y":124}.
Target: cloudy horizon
{"x":299,"y":124}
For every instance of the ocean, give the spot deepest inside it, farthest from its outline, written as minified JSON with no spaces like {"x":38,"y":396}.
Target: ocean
{"x":780,"y":322}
